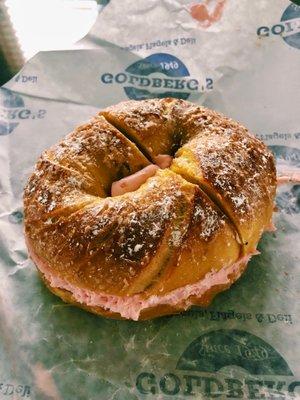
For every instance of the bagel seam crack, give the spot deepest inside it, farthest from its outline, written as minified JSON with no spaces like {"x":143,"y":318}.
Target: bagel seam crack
{"x":140,"y":147}
{"x":217,"y":203}
{"x":73,"y":170}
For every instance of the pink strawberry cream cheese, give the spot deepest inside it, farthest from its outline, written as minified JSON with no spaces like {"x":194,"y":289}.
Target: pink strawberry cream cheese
{"x":130,"y":307}
{"x":288,"y":176}
{"x":133,"y":182}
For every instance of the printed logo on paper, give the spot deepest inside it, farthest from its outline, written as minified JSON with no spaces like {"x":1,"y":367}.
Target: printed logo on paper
{"x":296,"y":2}
{"x":13,"y":111}
{"x":157,"y":76}
{"x":225,"y":363}
{"x":230,"y":347}
{"x":288,"y":27}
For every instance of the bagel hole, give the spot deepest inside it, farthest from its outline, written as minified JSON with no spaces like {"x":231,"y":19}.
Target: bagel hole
{"x":177,"y":143}
{"x":124,"y":171}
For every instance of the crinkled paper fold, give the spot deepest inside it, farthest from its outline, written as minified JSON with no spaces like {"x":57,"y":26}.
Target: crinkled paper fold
{"x":239,"y":58}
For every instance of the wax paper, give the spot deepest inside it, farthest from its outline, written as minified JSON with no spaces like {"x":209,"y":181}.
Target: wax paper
{"x":236,"y":56}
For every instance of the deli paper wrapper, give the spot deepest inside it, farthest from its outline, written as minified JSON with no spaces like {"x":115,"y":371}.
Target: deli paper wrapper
{"x":243,"y":60}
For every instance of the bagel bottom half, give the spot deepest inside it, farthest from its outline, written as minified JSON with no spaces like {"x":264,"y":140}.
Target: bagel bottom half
{"x":152,"y":312}
{"x":160,"y":309}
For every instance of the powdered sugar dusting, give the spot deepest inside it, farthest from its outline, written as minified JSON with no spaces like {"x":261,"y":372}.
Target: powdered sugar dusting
{"x":56,"y":188}
{"x":237,"y":167}
{"x":209,"y":219}
{"x":239,"y":201}
{"x":143,"y":120}
{"x":176,"y":238}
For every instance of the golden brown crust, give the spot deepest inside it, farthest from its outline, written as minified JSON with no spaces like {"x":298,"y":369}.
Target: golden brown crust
{"x":233,"y":167}
{"x":208,"y":231}
{"x":148,"y":123}
{"x":110,"y":242}
{"x":100,"y":153}
{"x":169,"y":232}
